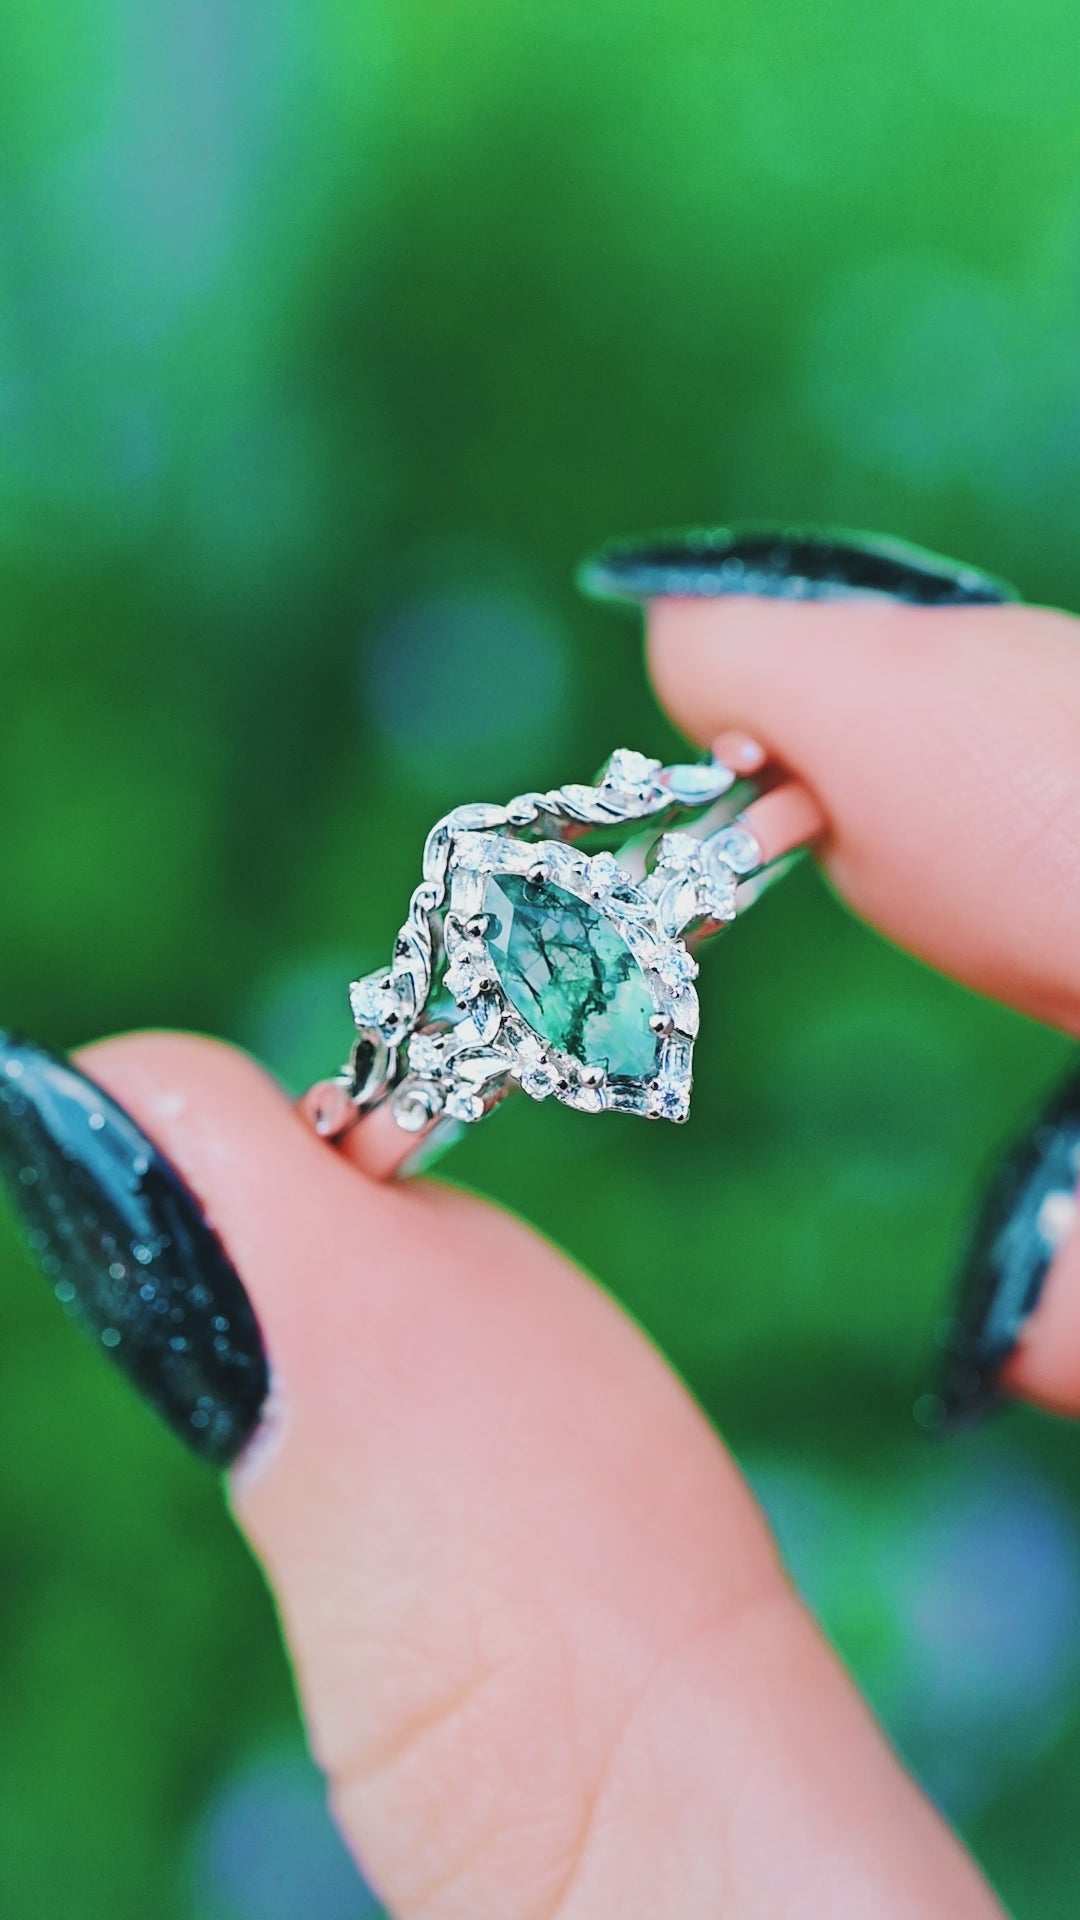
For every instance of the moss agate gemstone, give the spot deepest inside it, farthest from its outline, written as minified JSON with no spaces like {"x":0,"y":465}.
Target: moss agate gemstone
{"x":570,"y":975}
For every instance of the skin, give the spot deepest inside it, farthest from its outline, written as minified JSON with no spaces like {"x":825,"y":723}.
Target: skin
{"x":546,"y":1652}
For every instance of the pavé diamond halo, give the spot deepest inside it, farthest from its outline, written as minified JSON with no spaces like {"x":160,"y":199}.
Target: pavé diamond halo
{"x":529,"y":961}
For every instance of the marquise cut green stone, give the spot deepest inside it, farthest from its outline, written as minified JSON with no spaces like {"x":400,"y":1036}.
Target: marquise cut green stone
{"x":571,"y":975}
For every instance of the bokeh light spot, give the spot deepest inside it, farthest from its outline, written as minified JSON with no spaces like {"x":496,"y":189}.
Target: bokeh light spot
{"x":268,"y":1850}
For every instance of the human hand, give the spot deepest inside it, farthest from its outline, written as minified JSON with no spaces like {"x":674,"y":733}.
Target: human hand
{"x":546,"y":1652}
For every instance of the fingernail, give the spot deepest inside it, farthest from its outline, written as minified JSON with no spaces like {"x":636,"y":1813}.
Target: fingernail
{"x":780,"y":563}
{"x":1025,"y":1218}
{"x":124,"y":1242}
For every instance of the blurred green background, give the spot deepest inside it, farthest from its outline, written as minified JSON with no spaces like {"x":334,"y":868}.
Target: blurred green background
{"x":332,"y":333}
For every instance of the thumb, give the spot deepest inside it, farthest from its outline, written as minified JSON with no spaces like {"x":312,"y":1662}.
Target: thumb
{"x":545,"y":1651}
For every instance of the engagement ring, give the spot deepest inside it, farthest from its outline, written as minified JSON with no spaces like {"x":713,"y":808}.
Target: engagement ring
{"x":529,"y":960}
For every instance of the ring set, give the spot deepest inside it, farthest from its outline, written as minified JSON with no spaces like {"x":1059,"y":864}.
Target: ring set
{"x":529,"y":960}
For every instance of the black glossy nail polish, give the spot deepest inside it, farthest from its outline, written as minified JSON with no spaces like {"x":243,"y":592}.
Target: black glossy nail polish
{"x":126,"y":1246}
{"x":782,"y":563}
{"x":1025,"y":1217}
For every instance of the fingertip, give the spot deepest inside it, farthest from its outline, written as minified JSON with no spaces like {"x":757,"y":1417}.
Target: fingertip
{"x":754,"y":663}
{"x":101,"y":1159}
{"x":171,"y":1071}
{"x":227,"y":1123}
{"x":748,"y":664}
{"x":274,"y":1194}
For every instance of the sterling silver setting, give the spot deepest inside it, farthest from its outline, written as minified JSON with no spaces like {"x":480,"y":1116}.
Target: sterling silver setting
{"x":440,"y":1041}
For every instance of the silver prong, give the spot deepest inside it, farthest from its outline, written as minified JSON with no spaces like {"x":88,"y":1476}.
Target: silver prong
{"x":477,"y":927}
{"x":662,"y":1024}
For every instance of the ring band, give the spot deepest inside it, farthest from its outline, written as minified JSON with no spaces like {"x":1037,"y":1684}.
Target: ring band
{"x":528,"y":961}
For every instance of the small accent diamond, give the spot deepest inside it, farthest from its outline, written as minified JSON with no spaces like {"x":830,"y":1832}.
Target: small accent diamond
{"x":716,"y":893}
{"x":605,"y":873}
{"x":380,"y":1003}
{"x":540,"y":1080}
{"x":675,"y":965}
{"x":465,"y":977}
{"x":536,"y":1072}
{"x":679,"y":851}
{"x":460,"y":1105}
{"x":669,"y":1100}
{"x":629,"y":777}
{"x":472,"y":852}
{"x":426,"y":1054}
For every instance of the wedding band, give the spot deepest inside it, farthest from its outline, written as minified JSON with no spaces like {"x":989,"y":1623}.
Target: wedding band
{"x":528,"y":961}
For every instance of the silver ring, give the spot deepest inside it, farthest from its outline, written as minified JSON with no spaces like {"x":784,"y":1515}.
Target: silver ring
{"x":527,"y":961}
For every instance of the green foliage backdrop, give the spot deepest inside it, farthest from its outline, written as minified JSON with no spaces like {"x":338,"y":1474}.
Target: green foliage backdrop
{"x":332,"y":333}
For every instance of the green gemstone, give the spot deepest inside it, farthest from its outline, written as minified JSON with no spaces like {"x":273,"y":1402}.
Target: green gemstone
{"x":570,"y":975}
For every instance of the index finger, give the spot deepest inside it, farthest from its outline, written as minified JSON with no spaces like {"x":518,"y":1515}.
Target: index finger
{"x":944,"y":746}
